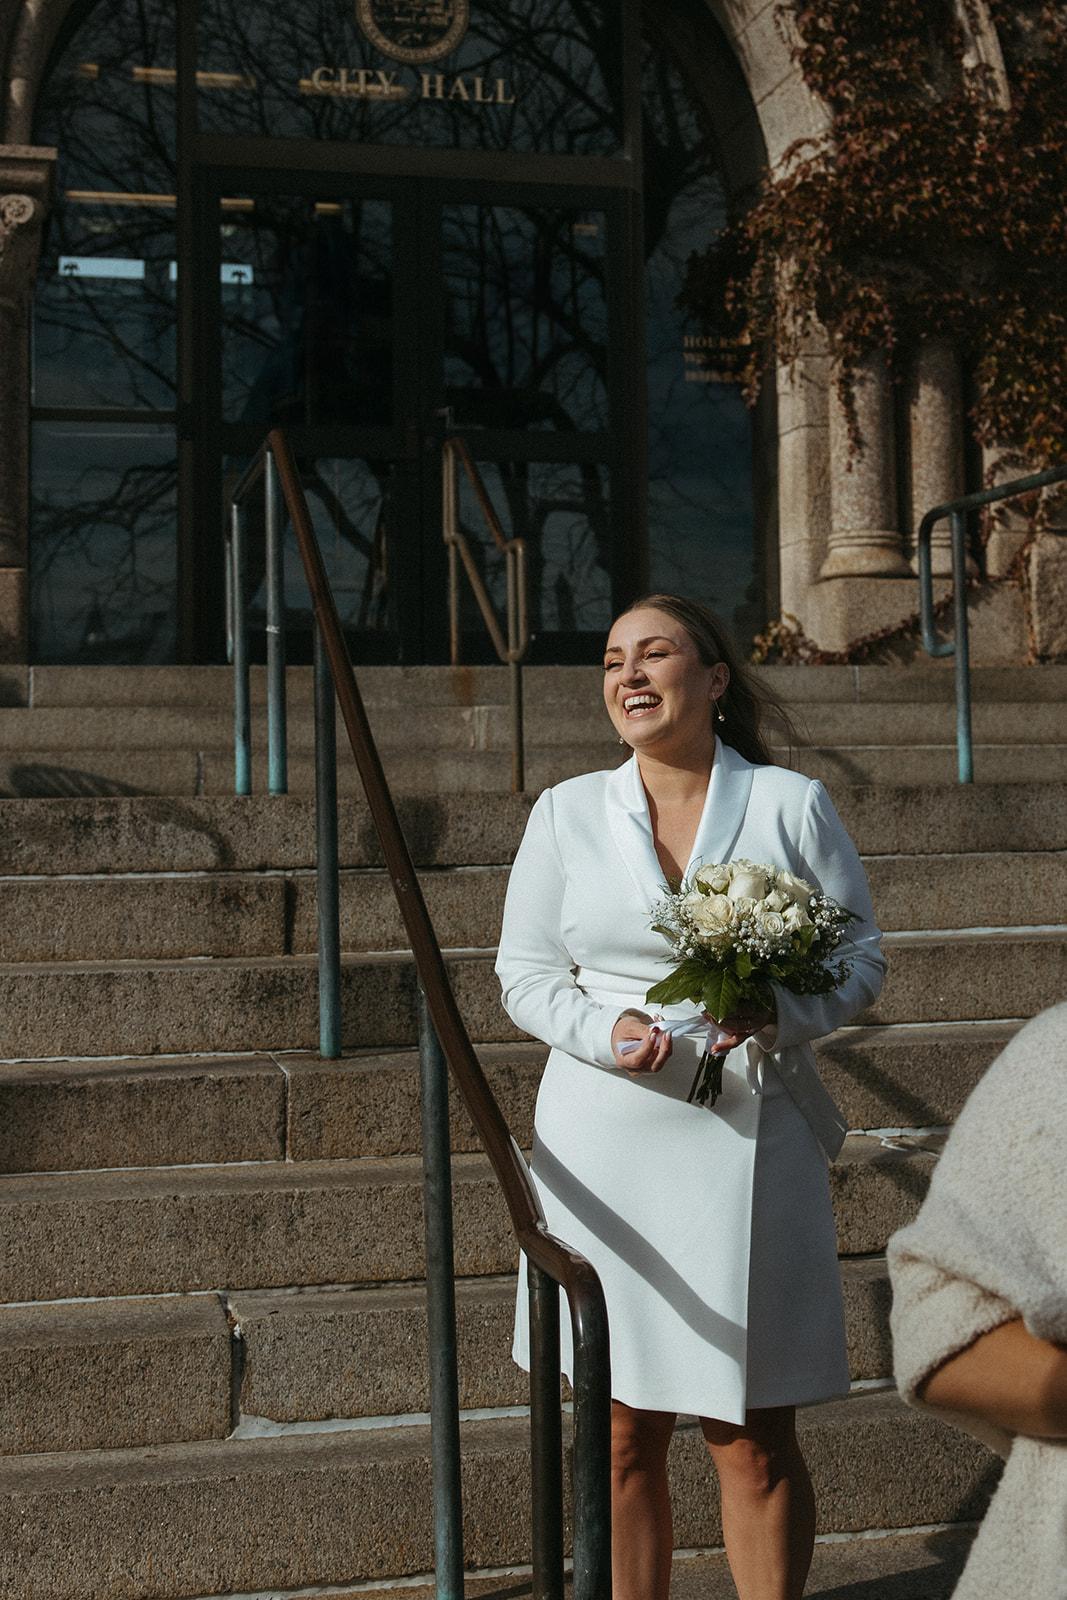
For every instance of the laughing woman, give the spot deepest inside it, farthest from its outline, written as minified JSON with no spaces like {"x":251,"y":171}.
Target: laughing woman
{"x":711,"y":1229}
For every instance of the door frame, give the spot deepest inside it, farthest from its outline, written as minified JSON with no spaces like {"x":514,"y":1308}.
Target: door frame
{"x":418,"y":179}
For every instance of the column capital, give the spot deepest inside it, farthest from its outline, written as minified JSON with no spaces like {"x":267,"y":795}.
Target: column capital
{"x":27,"y":180}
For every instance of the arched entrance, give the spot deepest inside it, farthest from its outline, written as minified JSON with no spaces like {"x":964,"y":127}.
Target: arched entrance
{"x":366,"y":224}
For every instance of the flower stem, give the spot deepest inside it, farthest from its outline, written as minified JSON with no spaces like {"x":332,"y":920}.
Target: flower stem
{"x":707,"y":1085}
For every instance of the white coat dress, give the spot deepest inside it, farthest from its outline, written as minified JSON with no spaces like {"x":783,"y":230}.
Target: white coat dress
{"x":711,"y":1229}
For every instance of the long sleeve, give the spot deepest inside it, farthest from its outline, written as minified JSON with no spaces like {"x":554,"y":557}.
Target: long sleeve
{"x":537,"y":972}
{"x":827,"y":858}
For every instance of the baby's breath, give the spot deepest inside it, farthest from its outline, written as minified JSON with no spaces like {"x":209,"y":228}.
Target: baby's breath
{"x":734,"y":928}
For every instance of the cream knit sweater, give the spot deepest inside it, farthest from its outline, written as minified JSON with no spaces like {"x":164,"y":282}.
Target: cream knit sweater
{"x":990,"y":1244}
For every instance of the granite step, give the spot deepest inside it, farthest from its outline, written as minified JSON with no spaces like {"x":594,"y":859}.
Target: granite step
{"x":222,"y":1005}
{"x":63,"y":1116}
{"x":167,"y":916}
{"x":923,"y":1564}
{"x":184,"y":1230}
{"x":113,"y":1374}
{"x":920,"y":682}
{"x":314,"y":1355}
{"x":556,"y":720}
{"x":114,"y":834}
{"x":196,"y":769}
{"x":118,"y":1373}
{"x":245,"y":1515}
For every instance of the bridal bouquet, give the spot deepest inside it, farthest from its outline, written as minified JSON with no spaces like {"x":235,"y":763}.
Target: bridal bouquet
{"x":733,"y":928}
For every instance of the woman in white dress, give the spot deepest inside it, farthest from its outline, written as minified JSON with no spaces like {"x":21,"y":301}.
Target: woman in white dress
{"x":711,"y":1229}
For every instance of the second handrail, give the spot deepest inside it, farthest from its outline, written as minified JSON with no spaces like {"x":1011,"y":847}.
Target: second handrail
{"x":956,"y":511}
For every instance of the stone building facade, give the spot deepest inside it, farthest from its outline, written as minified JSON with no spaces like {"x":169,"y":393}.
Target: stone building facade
{"x":833,"y":537}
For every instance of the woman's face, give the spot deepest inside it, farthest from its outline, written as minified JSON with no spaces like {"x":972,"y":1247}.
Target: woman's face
{"x":657,"y":690}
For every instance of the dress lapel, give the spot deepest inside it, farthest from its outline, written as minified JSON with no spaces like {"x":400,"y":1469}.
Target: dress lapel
{"x":724,"y":808}
{"x":627,"y":812}
{"x":716,"y":835}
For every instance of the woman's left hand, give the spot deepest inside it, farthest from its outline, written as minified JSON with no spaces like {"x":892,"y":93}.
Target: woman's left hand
{"x":652,"y":1049}
{"x":741,"y":1025}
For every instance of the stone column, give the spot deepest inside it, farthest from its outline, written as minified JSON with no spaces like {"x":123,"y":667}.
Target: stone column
{"x":864,"y":536}
{"x":26,"y":179}
{"x":935,"y":433}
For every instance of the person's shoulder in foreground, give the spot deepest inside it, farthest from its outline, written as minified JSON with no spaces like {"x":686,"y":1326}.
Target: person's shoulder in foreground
{"x":980,"y":1307}
{"x":990,"y":1241}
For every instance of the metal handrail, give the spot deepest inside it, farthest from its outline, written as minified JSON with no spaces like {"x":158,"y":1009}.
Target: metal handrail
{"x":549,"y":1261}
{"x":512,"y":650}
{"x":262,"y":467}
{"x":957,"y":510}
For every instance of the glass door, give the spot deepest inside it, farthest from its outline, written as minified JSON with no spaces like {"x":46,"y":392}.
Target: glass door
{"x":370,"y":317}
{"x":529,"y":376}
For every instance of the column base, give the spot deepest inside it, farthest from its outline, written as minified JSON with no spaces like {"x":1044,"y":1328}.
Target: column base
{"x":873,"y":553}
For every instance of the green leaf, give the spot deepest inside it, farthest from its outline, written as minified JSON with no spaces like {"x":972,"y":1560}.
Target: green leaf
{"x":684,"y":983}
{"x":722,"y":990}
{"x":743,"y":964}
{"x":729,"y":995}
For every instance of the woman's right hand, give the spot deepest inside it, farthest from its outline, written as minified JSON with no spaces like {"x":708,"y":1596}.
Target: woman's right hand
{"x":652,"y":1051}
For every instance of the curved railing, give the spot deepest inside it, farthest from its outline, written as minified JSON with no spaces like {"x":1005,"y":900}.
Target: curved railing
{"x":956,"y":511}
{"x":550,"y":1262}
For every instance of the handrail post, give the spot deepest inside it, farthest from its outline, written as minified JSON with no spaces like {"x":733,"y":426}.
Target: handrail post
{"x":242,"y":710}
{"x":515,"y":576}
{"x":450,"y":515}
{"x":592,"y":1441}
{"x":441,"y":1311}
{"x":326,"y":853}
{"x":964,"y":747}
{"x":277,"y":753}
{"x":546,"y":1436}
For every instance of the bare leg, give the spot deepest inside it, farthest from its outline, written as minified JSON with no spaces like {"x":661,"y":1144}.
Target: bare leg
{"x":642,"y":1535}
{"x":768,"y":1507}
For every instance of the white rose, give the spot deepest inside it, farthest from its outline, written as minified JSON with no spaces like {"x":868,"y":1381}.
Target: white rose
{"x":712,"y":914}
{"x":749,"y":882}
{"x":796,"y":888}
{"x":715,"y":877}
{"x":771,"y":924}
{"x":776,"y":901}
{"x":795,"y":917}
{"x":745,"y":908}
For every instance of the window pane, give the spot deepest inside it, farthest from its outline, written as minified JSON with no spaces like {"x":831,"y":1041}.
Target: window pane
{"x":104,"y":324}
{"x":307,"y":311}
{"x":700,"y":509}
{"x":352,"y":504}
{"x":102,"y":565}
{"x":525,"y":317}
{"x":563,"y":512}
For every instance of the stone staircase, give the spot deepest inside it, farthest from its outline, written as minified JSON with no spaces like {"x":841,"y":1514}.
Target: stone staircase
{"x":212,"y":1337}
{"x":169,"y":730}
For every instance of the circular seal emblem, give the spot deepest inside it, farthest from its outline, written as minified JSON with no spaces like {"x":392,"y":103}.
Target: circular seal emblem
{"x":414,"y":30}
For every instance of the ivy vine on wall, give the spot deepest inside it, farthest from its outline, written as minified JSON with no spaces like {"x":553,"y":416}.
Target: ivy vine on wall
{"x":931,"y":208}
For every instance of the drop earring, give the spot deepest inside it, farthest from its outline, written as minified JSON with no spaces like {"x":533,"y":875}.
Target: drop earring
{"x":621,"y":739}
{"x":719,"y":716}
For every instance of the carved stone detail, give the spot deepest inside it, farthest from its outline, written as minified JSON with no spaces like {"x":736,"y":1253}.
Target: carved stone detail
{"x":20,"y":228}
